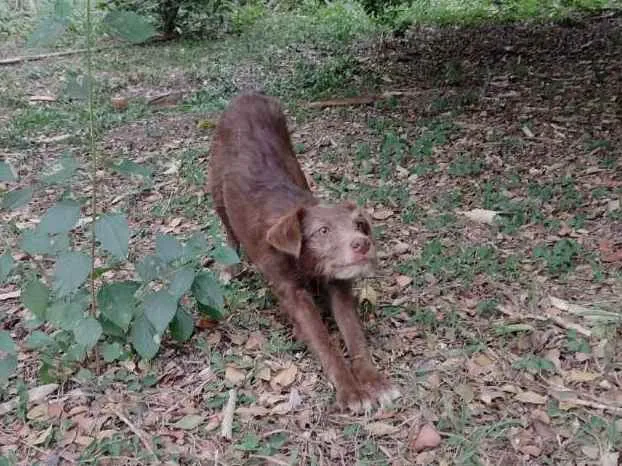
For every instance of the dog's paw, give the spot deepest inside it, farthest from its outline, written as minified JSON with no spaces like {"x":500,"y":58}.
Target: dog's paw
{"x":350,"y":397}
{"x":377,"y":387}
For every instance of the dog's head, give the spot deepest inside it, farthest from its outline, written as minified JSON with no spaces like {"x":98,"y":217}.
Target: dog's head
{"x":331,"y":241}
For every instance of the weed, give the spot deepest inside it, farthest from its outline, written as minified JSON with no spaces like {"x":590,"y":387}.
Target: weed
{"x":425,"y":318}
{"x":452,"y":263}
{"x":440,"y":222}
{"x":578,"y":221}
{"x":332,"y":77}
{"x":370,"y":455}
{"x":594,"y":144}
{"x":449,"y":201}
{"x":435,"y":134}
{"x":190,"y":167}
{"x":392,"y":151}
{"x":601,"y":192}
{"x":559,"y":258}
{"x":280,"y":342}
{"x":411,"y":213}
{"x":487,"y":308}
{"x":576,"y":344}
{"x":571,"y":198}
{"x":468,"y":445}
{"x":615,"y":215}
{"x":534,"y":364}
{"x":453,"y":73}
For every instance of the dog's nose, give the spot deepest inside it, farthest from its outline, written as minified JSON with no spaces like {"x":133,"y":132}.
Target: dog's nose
{"x":360,"y":245}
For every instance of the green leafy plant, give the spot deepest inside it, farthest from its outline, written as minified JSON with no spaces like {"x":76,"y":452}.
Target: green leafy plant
{"x":559,"y":258}
{"x":76,"y":309}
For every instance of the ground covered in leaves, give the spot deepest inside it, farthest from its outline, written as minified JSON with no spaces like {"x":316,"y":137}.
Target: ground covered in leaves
{"x":490,"y":163}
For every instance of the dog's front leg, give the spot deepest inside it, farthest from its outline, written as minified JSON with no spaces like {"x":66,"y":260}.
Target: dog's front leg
{"x":343,"y":305}
{"x":298,"y":304}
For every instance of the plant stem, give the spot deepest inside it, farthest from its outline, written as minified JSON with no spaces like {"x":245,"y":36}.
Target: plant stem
{"x":92,"y":149}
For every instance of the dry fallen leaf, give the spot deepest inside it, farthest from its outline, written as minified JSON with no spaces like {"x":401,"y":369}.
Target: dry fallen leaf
{"x":251,"y":411}
{"x":575,"y":375}
{"x":264,"y":374}
{"x":255,"y":341}
{"x":35,"y":395}
{"x":403,"y":280}
{"x":382,"y":214}
{"x":213,"y":423}
{"x":214,"y":338}
{"x":368,"y":294}
{"x":284,"y":377}
{"x":489,"y":396}
{"x":482,"y":360}
{"x":539,"y":415}
{"x":381,"y":428}
{"x":39,"y":412}
{"x":609,"y":459}
{"x":531,"y":450}
{"x":481,"y":215}
{"x":530,"y":397}
{"x":176,"y":222}
{"x":427,"y":438}
{"x":84,"y":440}
{"x":189,"y":422}
{"x":41,"y":437}
{"x":234,"y":375}
{"x":238,"y":338}
{"x":281,"y":408}
{"x":465,"y":391}
{"x":425,"y":458}
{"x":10,"y":295}
{"x":55,"y":409}
{"x":591,"y":451}
{"x":400,"y":248}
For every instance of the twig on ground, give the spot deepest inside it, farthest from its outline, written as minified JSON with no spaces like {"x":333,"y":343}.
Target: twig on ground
{"x":593,"y":404}
{"x":360,"y":100}
{"x":21,"y":59}
{"x":140,"y":434}
{"x":226,"y":428}
{"x":555,"y":319}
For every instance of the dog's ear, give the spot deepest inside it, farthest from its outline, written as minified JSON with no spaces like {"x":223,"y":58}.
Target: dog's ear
{"x":286,"y":234}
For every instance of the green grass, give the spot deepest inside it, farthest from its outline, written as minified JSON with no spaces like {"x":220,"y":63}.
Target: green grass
{"x":473,"y":12}
{"x":453,"y":263}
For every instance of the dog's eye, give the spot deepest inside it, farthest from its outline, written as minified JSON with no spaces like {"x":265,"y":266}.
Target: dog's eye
{"x":362,"y":226}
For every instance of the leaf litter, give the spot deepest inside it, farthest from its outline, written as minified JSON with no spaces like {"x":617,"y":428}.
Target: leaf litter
{"x":495,"y":334}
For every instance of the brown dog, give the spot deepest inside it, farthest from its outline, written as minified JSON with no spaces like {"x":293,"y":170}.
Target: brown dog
{"x":265,"y":204}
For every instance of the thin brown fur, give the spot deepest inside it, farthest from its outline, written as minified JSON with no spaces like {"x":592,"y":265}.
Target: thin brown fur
{"x":266,"y":206}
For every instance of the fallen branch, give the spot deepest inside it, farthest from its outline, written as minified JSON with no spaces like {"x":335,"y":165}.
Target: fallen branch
{"x":360,"y":100}
{"x":226,"y":428}
{"x":140,"y":434}
{"x":555,"y":319}
{"x":16,"y":60}
{"x":568,"y":325}
{"x":590,"y":404}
